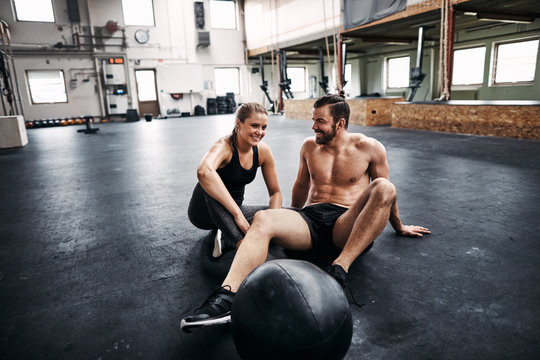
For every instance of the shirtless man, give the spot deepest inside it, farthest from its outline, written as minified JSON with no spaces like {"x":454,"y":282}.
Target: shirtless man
{"x":346,"y":200}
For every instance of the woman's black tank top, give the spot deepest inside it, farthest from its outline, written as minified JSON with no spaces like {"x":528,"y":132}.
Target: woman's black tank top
{"x":235,"y":177}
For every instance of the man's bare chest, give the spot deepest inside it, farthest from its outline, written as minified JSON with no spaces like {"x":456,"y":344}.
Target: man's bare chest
{"x":337,"y":169}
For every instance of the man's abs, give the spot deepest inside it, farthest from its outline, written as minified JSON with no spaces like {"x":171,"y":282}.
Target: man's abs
{"x":342,"y":196}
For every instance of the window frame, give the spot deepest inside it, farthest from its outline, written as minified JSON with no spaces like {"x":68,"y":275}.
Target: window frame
{"x":387,"y":72}
{"x":227,"y":67}
{"x":31,"y":94}
{"x":471,"y":85}
{"x":235,"y":12}
{"x":153,"y":15}
{"x":493,"y":69}
{"x":16,"y":14}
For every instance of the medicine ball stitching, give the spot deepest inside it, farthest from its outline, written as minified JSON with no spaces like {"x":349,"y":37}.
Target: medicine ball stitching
{"x":322,"y":339}
{"x":261,"y":311}
{"x":334,"y":333}
{"x":254,"y":302}
{"x":312,"y":348}
{"x":305,"y":300}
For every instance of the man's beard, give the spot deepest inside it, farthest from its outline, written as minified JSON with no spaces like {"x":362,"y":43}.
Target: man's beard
{"x":326,"y":137}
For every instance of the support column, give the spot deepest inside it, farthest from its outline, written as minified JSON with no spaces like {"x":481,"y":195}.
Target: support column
{"x":340,"y":64}
{"x":280,"y":100}
{"x":450,"y":48}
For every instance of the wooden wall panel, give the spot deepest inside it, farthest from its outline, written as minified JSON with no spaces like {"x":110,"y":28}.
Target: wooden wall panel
{"x":364,"y":111}
{"x":505,"y":119}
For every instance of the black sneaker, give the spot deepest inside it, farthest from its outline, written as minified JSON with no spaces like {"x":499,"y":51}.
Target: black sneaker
{"x":214,"y":311}
{"x":339,"y":274}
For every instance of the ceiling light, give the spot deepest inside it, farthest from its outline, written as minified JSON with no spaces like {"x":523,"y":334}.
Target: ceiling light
{"x":504,"y":18}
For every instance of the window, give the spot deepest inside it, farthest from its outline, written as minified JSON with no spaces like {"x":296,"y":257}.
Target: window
{"x":227,"y":80}
{"x":138,"y":12}
{"x":348,"y":77}
{"x":146,"y":85}
{"x":34,"y":10}
{"x":223,"y":14}
{"x":469,"y":66}
{"x":515,"y":62}
{"x":297,"y":75}
{"x":397,"y":72}
{"x":46,"y":86}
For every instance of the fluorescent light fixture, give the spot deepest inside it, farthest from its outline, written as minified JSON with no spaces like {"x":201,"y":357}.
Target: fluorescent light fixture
{"x":504,"y":18}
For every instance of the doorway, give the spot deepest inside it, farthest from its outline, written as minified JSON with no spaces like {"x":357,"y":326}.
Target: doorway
{"x":147,"y":92}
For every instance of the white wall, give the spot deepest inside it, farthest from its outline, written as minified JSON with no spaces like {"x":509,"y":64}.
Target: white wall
{"x":279,"y":23}
{"x":82,"y":100}
{"x":173,"y":42}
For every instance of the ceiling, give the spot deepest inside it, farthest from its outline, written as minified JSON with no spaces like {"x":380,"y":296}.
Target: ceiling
{"x":402,"y":28}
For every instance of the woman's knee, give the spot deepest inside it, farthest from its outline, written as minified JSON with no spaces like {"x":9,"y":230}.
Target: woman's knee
{"x":198,"y":216}
{"x":200,"y":223}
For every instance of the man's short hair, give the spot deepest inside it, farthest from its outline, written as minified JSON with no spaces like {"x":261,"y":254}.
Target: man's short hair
{"x":338,"y":107}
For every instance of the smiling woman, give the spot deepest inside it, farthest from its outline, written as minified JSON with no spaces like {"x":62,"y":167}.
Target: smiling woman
{"x":225,"y":170}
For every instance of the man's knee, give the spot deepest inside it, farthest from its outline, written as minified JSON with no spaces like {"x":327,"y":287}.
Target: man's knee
{"x":384,"y":190}
{"x":263,"y":222}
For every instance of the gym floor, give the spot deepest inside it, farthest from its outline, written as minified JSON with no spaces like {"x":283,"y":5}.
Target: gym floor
{"x":99,"y":261}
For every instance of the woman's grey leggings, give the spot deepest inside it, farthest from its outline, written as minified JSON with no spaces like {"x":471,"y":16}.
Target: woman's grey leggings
{"x":207,"y":213}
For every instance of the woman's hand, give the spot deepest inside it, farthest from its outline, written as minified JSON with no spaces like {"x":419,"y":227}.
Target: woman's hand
{"x":242,"y":223}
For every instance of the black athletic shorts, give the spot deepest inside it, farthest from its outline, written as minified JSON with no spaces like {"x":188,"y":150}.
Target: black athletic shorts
{"x":321,"y":218}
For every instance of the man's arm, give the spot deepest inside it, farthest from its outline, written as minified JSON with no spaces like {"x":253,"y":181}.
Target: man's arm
{"x":300,"y":189}
{"x":378,"y":167}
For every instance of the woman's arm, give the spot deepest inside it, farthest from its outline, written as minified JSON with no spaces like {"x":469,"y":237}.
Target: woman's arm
{"x":211,"y":182}
{"x":268,"y":167}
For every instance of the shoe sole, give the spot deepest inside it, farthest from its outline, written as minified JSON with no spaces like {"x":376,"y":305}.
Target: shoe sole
{"x":195,"y":325}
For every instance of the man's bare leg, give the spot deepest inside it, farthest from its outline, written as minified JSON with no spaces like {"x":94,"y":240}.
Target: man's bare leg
{"x":364,"y":221}
{"x":285,"y":227}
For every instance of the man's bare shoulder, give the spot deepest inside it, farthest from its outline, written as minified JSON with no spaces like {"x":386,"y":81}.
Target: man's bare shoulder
{"x":364,"y":142}
{"x":369,"y":146}
{"x":309,"y":143}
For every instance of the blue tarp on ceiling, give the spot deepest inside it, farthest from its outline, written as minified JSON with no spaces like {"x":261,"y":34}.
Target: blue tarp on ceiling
{"x":359,"y":12}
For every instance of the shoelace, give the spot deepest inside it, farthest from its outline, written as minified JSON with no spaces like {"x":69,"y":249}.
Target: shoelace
{"x":212,"y":297}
